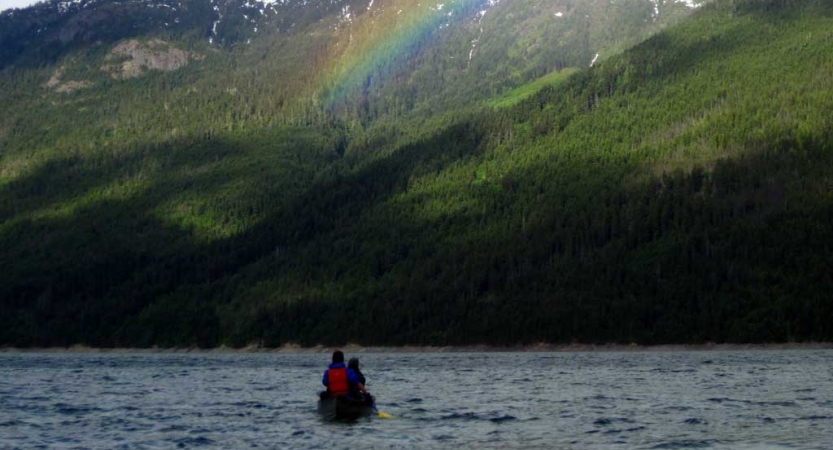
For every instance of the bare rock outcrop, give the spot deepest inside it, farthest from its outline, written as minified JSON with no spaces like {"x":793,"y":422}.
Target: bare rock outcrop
{"x":72,"y":86}
{"x":55,"y":80}
{"x":57,"y":84}
{"x":131,"y":58}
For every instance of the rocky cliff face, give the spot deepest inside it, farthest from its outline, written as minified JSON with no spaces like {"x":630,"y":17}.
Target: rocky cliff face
{"x":131,"y":58}
{"x":127,"y":59}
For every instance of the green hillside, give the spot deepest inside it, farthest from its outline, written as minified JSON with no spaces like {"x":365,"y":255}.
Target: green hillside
{"x":677,"y":192}
{"x":525,"y":91}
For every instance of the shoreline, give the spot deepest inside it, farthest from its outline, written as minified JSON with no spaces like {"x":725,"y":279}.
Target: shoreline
{"x":354,"y":348}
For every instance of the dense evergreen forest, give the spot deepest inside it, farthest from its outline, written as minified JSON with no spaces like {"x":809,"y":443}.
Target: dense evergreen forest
{"x":332,"y":178}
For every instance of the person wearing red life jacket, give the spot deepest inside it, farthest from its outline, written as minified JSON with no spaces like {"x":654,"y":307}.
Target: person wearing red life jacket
{"x":339,"y":379}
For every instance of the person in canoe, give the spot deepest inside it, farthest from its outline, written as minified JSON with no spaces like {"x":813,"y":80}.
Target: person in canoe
{"x":341,"y":380}
{"x":353,"y":365}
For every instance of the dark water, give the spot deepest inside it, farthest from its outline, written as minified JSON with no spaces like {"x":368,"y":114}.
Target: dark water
{"x":650,"y":400}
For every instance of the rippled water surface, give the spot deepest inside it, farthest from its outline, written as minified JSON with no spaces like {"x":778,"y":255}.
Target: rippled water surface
{"x":660,"y":400}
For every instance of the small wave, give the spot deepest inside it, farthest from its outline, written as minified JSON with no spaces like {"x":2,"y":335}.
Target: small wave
{"x":229,"y":389}
{"x":69,"y":423}
{"x":414,"y":400}
{"x":249,"y":404}
{"x":678,"y":408}
{"x":118,"y":394}
{"x":689,"y":443}
{"x":63,"y":408}
{"x":604,"y":421}
{"x":11,"y":423}
{"x":625,"y":430}
{"x":721,"y":400}
{"x":32,"y":399}
{"x":786,"y":404}
{"x":459,"y":416}
{"x":502,"y":419}
{"x":230,"y":414}
{"x":442,"y":437}
{"x":193,"y":442}
{"x":109,"y":421}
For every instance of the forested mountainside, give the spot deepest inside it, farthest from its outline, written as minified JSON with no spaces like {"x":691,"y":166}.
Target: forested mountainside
{"x":389,"y":172}
{"x":371,"y":68}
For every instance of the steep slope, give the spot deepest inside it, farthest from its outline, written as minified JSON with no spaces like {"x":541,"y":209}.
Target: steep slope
{"x":679,"y":192}
{"x":332,"y":63}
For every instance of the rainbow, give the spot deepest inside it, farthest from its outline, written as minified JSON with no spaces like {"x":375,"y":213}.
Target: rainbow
{"x":386,"y":34}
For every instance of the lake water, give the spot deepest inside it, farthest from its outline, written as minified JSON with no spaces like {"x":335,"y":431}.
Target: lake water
{"x":627,"y":400}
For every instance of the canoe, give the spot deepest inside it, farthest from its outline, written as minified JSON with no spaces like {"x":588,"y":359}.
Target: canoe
{"x":343,"y":408}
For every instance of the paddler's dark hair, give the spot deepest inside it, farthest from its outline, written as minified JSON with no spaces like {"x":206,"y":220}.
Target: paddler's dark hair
{"x":338,"y":356}
{"x":353,"y":364}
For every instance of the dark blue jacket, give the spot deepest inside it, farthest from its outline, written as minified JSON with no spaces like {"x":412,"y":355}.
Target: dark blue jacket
{"x":352,"y":378}
{"x":360,"y":376}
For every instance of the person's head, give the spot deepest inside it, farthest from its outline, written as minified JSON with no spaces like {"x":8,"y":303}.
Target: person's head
{"x":338,"y":356}
{"x":353,"y":364}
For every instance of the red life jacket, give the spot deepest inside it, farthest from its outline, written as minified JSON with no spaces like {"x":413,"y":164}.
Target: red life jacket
{"x":337,"y":381}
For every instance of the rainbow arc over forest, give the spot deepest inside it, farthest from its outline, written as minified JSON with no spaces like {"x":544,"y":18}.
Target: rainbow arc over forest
{"x":386,"y":33}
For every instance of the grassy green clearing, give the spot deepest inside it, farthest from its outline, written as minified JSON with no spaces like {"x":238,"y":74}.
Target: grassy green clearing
{"x":520,"y":93}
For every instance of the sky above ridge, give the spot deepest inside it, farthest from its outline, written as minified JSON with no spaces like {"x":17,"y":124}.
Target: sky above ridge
{"x":9,"y":4}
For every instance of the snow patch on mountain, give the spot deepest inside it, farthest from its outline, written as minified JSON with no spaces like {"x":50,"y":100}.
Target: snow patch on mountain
{"x":479,"y":20}
{"x":692,"y":3}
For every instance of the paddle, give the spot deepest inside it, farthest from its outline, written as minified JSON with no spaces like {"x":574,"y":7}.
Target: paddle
{"x":382,"y":415}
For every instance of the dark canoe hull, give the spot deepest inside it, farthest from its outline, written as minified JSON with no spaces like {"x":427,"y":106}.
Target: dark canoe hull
{"x":343,"y":408}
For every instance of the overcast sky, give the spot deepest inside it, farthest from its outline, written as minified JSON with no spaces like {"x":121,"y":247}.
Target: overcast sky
{"x":8,"y":4}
